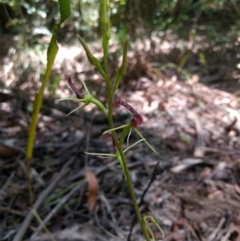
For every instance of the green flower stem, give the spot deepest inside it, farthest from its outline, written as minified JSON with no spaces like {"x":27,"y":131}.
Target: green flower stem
{"x":105,"y":26}
{"x":124,"y":162}
{"x":104,"y":19}
{"x":99,"y":105}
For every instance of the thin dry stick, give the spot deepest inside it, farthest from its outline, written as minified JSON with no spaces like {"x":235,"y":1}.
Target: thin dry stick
{"x":108,"y":207}
{"x":87,"y":143}
{"x":55,"y":209}
{"x":153,"y":177}
{"x":66,"y":197}
{"x":44,"y":226}
{"x":12,"y":211}
{"x":215,"y":232}
{"x":200,"y":143}
{"x":19,"y":235}
{"x":7,"y":183}
{"x":105,"y":230}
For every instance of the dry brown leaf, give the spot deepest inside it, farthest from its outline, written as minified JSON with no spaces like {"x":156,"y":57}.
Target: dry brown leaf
{"x":7,"y":151}
{"x":216,"y":195}
{"x":185,"y":164}
{"x":5,"y":95}
{"x":92,"y":189}
{"x":237,"y":189}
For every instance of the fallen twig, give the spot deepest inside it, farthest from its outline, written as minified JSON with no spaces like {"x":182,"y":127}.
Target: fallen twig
{"x":21,"y":231}
{"x":55,"y":209}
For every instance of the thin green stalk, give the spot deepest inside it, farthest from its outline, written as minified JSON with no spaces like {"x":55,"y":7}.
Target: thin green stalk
{"x":105,"y":49}
{"x":104,"y":19}
{"x":65,"y":12}
{"x":127,"y":173}
{"x":105,"y":26}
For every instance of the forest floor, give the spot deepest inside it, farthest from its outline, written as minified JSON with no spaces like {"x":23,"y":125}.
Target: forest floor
{"x":192,"y":119}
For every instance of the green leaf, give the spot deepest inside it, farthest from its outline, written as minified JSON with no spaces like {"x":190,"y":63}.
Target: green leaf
{"x":65,"y":9}
{"x":52,"y":52}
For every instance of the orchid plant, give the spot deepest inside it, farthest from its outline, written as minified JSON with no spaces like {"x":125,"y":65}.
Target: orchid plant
{"x":111,"y":88}
{"x":126,"y":129}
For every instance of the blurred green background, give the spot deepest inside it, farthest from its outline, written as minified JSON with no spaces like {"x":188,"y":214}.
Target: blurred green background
{"x":204,"y":33}
{"x":218,"y":19}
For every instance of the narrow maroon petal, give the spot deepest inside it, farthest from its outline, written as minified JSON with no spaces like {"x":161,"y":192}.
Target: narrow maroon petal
{"x":74,"y":88}
{"x":137,"y":118}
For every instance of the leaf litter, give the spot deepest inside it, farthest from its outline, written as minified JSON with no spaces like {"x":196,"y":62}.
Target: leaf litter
{"x":194,"y":127}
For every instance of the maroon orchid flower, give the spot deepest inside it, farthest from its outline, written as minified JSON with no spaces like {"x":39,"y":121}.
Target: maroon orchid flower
{"x":74,"y":88}
{"x":137,"y":118}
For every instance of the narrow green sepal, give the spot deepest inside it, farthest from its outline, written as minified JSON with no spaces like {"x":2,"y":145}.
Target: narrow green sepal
{"x":114,"y":129}
{"x":122,"y":69}
{"x":121,"y":164}
{"x":78,"y":108}
{"x":92,"y":59}
{"x":133,"y":145}
{"x":125,"y":132}
{"x":146,"y":141}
